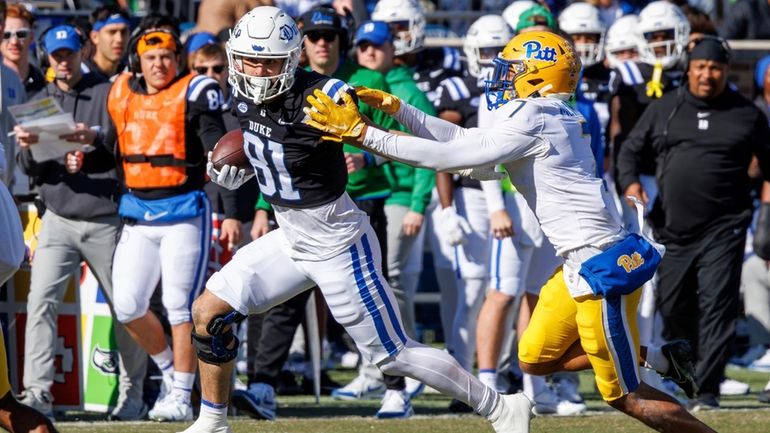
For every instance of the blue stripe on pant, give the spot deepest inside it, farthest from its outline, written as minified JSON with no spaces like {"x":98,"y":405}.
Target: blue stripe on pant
{"x":620,"y":345}
{"x":369,"y":303}
{"x":203,"y":258}
{"x":381,"y":290}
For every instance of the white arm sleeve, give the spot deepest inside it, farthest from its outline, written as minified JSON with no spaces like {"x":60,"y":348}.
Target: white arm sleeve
{"x":493,"y":192}
{"x":476,"y":148}
{"x":426,"y":126}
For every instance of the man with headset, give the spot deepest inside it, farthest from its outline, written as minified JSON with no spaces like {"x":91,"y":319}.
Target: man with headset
{"x":81,"y":223}
{"x":165,"y":122}
{"x":703,"y":137}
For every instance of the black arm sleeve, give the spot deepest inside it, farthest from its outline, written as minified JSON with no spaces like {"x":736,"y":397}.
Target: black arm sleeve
{"x":629,"y":158}
{"x":30,"y":167}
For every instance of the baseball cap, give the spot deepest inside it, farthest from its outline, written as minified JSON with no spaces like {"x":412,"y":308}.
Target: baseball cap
{"x":376,"y":32}
{"x":199,"y":40}
{"x":60,"y":37}
{"x":321,"y":18}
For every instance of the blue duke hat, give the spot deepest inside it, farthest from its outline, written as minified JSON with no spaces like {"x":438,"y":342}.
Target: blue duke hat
{"x":61,"y":37}
{"x":375,"y":32}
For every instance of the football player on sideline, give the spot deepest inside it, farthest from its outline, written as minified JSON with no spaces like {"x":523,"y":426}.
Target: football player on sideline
{"x":323,"y":239}
{"x":591,"y":301}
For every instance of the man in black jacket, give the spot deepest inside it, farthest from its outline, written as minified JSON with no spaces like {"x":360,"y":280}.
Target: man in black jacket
{"x":80,"y":192}
{"x":703,"y":136}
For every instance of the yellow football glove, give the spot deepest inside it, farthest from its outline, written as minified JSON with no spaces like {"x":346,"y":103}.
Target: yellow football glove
{"x":340,"y":122}
{"x":383,"y":101}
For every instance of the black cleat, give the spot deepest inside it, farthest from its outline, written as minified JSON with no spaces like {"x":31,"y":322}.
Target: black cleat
{"x":681,"y":366}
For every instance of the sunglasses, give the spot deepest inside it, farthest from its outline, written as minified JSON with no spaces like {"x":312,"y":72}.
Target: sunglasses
{"x":203,"y":69}
{"x":327,"y":36}
{"x":19,"y":34}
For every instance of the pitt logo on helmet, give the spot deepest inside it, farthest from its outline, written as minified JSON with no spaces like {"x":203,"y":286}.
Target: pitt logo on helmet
{"x":630,"y":263}
{"x":536,"y":51}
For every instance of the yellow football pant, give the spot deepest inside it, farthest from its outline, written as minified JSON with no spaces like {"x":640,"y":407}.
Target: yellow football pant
{"x":607,"y":330}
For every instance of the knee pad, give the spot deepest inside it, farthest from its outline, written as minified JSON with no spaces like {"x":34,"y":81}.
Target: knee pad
{"x":129,"y":309}
{"x":221,"y":345}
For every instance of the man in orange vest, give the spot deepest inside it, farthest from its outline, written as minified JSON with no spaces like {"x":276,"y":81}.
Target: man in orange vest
{"x":166,"y":121}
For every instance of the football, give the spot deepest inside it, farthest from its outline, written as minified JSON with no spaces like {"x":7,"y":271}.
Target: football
{"x":229,"y":151}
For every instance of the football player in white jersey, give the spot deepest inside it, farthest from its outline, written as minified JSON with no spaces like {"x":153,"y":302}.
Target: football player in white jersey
{"x":586,"y":316}
{"x":323,"y":239}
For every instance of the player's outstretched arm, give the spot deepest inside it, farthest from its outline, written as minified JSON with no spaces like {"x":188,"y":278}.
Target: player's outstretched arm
{"x":420,"y":123}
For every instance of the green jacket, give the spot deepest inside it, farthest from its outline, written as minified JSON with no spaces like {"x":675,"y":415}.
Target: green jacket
{"x":370,"y":182}
{"x":411,"y":187}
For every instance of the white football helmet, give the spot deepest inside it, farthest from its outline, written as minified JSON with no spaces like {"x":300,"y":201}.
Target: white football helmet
{"x":583,"y":18}
{"x":514,"y":10}
{"x":622,"y":35}
{"x":407,"y":23}
{"x":662,"y":16}
{"x":265,"y":32}
{"x":486,"y":37}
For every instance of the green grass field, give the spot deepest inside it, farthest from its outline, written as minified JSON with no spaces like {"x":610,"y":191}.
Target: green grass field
{"x":742,"y":414}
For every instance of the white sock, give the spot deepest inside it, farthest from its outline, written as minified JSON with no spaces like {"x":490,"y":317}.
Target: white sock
{"x":533,"y":385}
{"x":183,"y":383}
{"x":488,"y":377}
{"x":213,"y":410}
{"x":656,"y":360}
{"x":165,"y":362}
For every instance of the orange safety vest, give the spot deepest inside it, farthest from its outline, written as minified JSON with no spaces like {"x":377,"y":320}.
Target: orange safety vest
{"x":151,"y":133}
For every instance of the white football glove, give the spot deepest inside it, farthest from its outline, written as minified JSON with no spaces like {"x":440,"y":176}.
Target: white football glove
{"x":481,"y":173}
{"x":229,"y":177}
{"x":454,"y":227}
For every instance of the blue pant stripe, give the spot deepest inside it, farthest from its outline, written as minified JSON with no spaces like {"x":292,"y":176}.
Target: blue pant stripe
{"x":374,"y":275}
{"x":498,"y":253}
{"x":622,"y":347}
{"x":371,"y":308}
{"x":458,"y":274}
{"x":203,"y":258}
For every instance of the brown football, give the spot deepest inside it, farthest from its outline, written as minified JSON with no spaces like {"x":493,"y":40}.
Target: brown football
{"x":229,"y":150}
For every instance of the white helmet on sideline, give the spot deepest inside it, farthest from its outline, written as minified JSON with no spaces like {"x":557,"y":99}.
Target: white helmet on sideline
{"x":407,"y":23}
{"x":486,"y":37}
{"x":662,"y":16}
{"x":514,"y":10}
{"x":583,"y":18}
{"x":265,"y":32}
{"x":623,"y":35}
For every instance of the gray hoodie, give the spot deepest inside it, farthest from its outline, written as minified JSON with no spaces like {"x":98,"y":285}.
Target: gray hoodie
{"x":93,"y":191}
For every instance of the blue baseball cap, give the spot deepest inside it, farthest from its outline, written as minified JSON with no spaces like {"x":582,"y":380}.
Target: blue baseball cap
{"x":60,"y":37}
{"x":199,"y":40}
{"x":376,"y":32}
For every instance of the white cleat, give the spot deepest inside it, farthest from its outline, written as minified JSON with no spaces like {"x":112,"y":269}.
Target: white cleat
{"x":363,"y":387}
{"x":175,"y":407}
{"x":206,"y":424}
{"x":512,"y":414}
{"x":548,"y":402}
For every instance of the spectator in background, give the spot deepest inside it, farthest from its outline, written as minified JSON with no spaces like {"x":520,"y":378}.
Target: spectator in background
{"x":747,"y":19}
{"x":166,"y":122}
{"x":11,"y":93}
{"x":109,"y":36}
{"x":703,"y":137}
{"x":80,"y":195}
{"x":215,"y":15}
{"x":15,"y":47}
{"x":537,"y":17}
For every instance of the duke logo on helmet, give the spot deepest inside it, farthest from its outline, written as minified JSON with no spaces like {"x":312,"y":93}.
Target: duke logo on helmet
{"x":535,"y":51}
{"x":288,"y":32}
